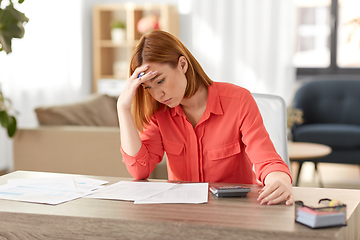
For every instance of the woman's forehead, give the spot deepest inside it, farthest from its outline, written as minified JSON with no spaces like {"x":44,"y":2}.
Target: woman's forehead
{"x":155,"y":66}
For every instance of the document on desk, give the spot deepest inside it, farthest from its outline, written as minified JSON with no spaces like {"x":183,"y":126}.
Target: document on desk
{"x":180,"y":193}
{"x":154,"y":192}
{"x":48,"y":190}
{"x":131,"y":191}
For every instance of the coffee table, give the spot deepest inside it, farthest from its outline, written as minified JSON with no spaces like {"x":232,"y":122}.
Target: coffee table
{"x":303,"y":151}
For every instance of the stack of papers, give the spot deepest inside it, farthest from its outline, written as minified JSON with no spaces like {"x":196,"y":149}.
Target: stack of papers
{"x":62,"y":189}
{"x":49,"y":190}
{"x":317,"y":219}
{"x":154,"y":192}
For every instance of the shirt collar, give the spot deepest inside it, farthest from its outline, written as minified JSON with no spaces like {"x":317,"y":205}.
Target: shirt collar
{"x":213,"y":104}
{"x":177,"y":111}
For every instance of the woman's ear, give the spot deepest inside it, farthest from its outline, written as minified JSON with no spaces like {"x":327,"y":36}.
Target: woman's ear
{"x":183,"y":64}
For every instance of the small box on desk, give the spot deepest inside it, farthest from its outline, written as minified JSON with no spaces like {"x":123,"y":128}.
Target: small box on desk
{"x":331,"y":213}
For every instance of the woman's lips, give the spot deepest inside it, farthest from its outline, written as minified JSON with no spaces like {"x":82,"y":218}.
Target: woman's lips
{"x":166,"y":101}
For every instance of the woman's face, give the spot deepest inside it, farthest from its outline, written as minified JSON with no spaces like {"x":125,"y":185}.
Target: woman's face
{"x":169,"y":84}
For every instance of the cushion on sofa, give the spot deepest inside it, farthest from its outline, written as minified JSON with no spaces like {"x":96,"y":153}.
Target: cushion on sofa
{"x":99,"y":110}
{"x":337,"y":136}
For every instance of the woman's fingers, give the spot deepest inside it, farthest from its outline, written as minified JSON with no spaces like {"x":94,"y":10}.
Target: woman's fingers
{"x":146,"y":77}
{"x":265,"y":191}
{"x":274,"y":194}
{"x":139,"y":70}
{"x":277,"y":189}
{"x":290,"y":200}
{"x":133,"y":83}
{"x":275,"y":197}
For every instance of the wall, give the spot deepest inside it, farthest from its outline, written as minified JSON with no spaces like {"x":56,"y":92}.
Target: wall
{"x":216,"y":12}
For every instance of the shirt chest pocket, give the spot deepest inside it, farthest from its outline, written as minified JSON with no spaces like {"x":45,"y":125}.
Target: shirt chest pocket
{"x":175,"y":158}
{"x":173,"y":148}
{"x":224,"y":151}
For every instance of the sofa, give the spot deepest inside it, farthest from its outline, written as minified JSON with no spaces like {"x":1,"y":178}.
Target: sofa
{"x":331,"y":115}
{"x":79,"y":138}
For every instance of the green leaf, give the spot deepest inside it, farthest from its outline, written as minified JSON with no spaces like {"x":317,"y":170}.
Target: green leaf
{"x":11,"y":129}
{"x":4,"y":119}
{"x":18,"y":15}
{"x":11,"y":26}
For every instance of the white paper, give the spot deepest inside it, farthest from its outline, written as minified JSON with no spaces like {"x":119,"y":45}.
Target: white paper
{"x":59,"y":183}
{"x":84,"y":184}
{"x":181,"y":193}
{"x":154,"y":192}
{"x":61,"y":189}
{"x":131,"y":191}
{"x":38,"y":195}
{"x":75,"y":184}
{"x":48,"y":190}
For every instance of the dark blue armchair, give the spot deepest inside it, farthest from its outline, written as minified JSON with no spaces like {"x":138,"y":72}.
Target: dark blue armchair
{"x":331,"y":111}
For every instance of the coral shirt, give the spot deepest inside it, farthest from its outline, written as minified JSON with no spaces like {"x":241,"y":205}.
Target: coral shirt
{"x":226,"y":143}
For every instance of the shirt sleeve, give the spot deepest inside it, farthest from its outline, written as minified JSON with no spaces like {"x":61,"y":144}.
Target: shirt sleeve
{"x":150,"y":154}
{"x":258,"y":145}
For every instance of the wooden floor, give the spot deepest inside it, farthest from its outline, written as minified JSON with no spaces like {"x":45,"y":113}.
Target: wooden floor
{"x":333,"y":175}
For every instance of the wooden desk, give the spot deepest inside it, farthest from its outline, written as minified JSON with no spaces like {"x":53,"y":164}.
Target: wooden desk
{"x":301,"y":152}
{"x":229,"y":218}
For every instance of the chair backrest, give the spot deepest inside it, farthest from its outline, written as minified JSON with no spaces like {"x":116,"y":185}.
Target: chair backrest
{"x":329,"y":101}
{"x":273,"y":112}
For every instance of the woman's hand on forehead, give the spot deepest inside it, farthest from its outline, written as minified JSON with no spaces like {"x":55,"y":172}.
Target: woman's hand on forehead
{"x":138,"y":77}
{"x":144,"y":76}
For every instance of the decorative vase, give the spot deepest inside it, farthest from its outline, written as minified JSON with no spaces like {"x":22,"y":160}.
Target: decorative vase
{"x":118,"y":35}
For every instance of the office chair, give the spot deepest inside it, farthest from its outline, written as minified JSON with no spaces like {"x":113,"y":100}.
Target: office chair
{"x":273,"y":112}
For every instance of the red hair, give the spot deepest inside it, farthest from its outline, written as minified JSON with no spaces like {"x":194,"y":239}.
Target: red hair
{"x":162,"y":47}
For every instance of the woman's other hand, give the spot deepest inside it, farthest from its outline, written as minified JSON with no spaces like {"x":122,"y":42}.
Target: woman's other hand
{"x":277,"y":189}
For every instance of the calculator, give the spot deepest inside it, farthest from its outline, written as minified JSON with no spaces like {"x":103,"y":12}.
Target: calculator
{"x":229,"y":191}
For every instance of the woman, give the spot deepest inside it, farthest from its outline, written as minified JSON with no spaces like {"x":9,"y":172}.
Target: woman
{"x":210,"y":131}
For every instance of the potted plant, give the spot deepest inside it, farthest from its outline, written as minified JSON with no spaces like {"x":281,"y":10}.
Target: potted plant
{"x":7,"y":120}
{"x":118,"y":34}
{"x":11,"y":26}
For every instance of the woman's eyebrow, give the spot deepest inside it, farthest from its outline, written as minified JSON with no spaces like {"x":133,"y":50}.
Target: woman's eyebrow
{"x":155,"y":77}
{"x":152,"y":79}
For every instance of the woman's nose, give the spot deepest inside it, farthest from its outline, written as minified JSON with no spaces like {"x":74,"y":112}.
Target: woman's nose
{"x":158,"y":93}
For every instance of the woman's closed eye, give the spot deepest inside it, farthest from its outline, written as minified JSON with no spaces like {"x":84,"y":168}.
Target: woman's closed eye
{"x":159,"y":82}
